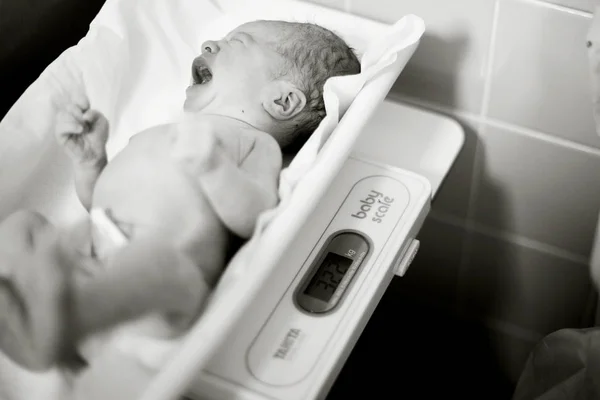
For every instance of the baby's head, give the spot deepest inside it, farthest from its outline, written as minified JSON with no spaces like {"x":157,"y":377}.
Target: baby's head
{"x":270,"y":74}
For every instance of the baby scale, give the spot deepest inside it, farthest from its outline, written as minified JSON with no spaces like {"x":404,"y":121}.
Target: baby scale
{"x":303,"y":325}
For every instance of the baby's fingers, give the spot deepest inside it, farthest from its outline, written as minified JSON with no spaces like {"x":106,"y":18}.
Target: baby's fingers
{"x":98,"y":125}
{"x":80,"y":99}
{"x":91,"y":116}
{"x":66,"y":129}
{"x":70,"y":117}
{"x":75,"y":112}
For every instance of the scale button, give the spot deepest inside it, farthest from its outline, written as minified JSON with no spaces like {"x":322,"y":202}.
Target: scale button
{"x":405,"y":261}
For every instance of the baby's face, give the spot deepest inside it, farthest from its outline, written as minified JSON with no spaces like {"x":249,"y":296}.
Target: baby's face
{"x":231,"y":72}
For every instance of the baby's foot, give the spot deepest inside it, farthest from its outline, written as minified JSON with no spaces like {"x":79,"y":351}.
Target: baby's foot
{"x":34,"y":298}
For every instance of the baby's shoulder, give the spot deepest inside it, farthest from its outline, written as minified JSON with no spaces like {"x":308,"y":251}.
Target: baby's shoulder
{"x":152,"y":135}
{"x":244,"y":142}
{"x":261,"y":143}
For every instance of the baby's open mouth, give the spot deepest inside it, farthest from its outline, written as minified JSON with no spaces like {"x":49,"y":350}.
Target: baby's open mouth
{"x":201,"y":73}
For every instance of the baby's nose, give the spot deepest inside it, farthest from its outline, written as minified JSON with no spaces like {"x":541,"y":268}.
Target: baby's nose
{"x":210,"y":47}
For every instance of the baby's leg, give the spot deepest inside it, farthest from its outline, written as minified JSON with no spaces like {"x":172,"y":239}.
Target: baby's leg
{"x":34,"y":282}
{"x":146,"y":276}
{"x":46,"y":309}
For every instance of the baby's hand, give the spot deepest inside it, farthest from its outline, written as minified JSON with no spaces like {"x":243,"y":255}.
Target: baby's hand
{"x":83,"y":134}
{"x":195,"y":147}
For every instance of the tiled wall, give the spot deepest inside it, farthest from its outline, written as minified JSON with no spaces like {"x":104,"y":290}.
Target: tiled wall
{"x":511,"y":232}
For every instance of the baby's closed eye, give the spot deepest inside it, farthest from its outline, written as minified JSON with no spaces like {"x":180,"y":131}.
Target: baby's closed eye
{"x":238,"y":37}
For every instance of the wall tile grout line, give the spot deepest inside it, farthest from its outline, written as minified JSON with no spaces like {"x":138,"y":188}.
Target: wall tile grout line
{"x":511,"y":238}
{"x":487,"y":88}
{"x":555,"y":140}
{"x":490,"y":323}
{"x":465,"y":256}
{"x":348,"y":6}
{"x":440,"y":108}
{"x":517,"y":129}
{"x":557,"y":7}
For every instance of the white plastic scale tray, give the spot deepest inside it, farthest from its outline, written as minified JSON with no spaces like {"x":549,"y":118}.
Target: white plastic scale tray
{"x":289,"y":345}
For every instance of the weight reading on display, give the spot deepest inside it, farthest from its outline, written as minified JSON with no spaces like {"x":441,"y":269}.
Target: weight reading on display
{"x":332,"y":271}
{"x":329,"y":275}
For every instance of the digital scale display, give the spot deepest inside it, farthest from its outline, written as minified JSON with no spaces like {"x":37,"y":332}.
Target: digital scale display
{"x":328,"y":277}
{"x":331,"y":272}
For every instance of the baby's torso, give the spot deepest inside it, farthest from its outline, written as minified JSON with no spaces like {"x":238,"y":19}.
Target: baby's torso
{"x":147,"y":193}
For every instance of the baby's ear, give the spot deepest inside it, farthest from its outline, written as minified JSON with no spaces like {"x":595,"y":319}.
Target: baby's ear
{"x":283,"y":100}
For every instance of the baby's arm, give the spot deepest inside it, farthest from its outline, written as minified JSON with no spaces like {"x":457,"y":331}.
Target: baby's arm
{"x":83,"y":134}
{"x":238,"y":194}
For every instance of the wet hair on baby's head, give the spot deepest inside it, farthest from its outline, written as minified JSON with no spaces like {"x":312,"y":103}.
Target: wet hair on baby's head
{"x":315,"y":54}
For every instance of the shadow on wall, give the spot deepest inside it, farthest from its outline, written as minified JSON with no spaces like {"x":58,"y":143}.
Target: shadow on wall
{"x":456,"y":263}
{"x":412,"y":351}
{"x":434,"y":81}
{"x":487,"y":273}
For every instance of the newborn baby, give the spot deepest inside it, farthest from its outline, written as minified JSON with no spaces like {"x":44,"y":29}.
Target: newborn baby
{"x":166,"y":208}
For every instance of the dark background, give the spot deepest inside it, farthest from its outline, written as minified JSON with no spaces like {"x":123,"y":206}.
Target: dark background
{"x":32,"y":34}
